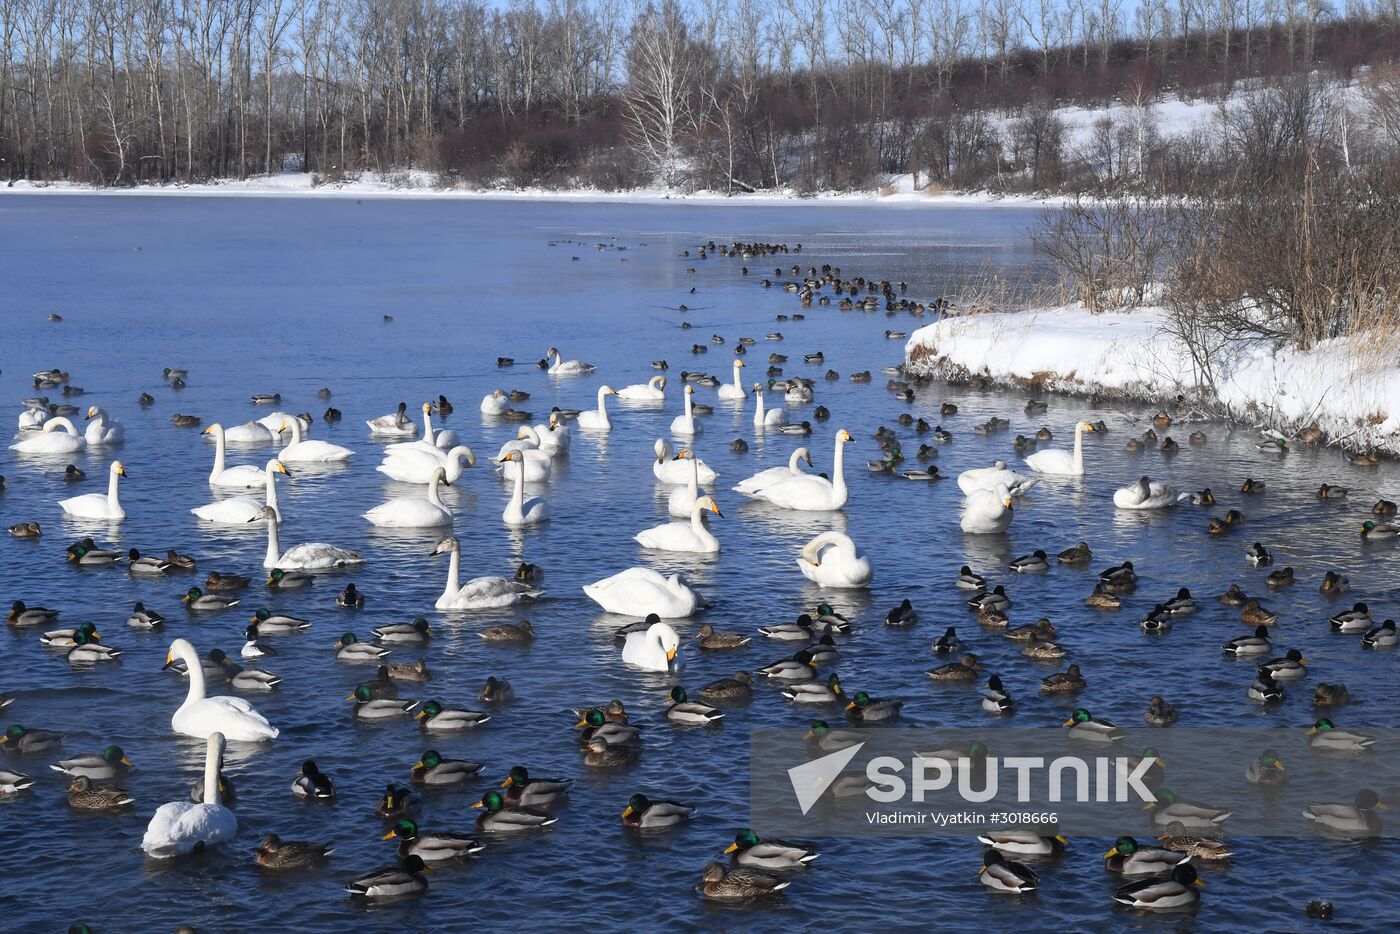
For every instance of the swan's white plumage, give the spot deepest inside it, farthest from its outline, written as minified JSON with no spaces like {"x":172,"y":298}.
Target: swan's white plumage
{"x":480,"y":593}
{"x":413,"y":512}
{"x":809,"y":492}
{"x":776,"y":474}
{"x":58,"y":436}
{"x":1144,"y":494}
{"x":416,"y":465}
{"x":653,"y":390}
{"x":989,"y":478}
{"x":310,"y":556}
{"x":831,"y":560}
{"x":597,"y":419}
{"x":180,"y":827}
{"x":520,"y":511}
{"x":1059,"y":462}
{"x":642,"y":591}
{"x":734,"y":392}
{"x":987,"y":512}
{"x":98,"y":505}
{"x":311,"y":451}
{"x":240,"y":510}
{"x":685,"y":425}
{"x":202,"y":716}
{"x":653,"y":649}
{"x":101,"y":431}
{"x":669,"y":469}
{"x":690,"y":536}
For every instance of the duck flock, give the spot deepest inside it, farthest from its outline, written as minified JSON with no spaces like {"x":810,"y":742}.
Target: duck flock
{"x":652,"y":609}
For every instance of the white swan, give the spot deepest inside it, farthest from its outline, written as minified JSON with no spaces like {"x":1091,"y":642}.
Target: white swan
{"x":653,"y":648}
{"x":1059,"y":462}
{"x":416,"y":465}
{"x":653,"y":390}
{"x":201,"y":716}
{"x":808,"y":491}
{"x":642,"y":591}
{"x":397,"y":424}
{"x":250,"y":433}
{"x":440,"y":438}
{"x":240,"y":510}
{"x":1144,"y":494}
{"x":242,"y":477}
{"x":987,"y":512}
{"x":102,"y":432}
{"x":311,"y":556}
{"x":521,"y":511}
{"x":734,"y":392}
{"x":412,"y":512}
{"x":180,"y":827}
{"x":685,"y":425}
{"x":98,"y":505}
{"x":50,"y":440}
{"x":479,"y":593}
{"x":558,"y":367}
{"x":670,"y":468}
{"x":766,"y":418}
{"x":776,"y":474}
{"x":689,"y":536}
{"x":538,"y":464}
{"x":554,"y":438}
{"x":591,"y":420}
{"x":681,"y":499}
{"x":274,"y":422}
{"x":831,"y":560}
{"x":495,"y":403}
{"x":32,"y":419}
{"x":312,"y":451}
{"x":989,"y":478}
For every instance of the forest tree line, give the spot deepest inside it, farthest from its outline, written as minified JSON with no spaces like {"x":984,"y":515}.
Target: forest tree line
{"x":713,"y":94}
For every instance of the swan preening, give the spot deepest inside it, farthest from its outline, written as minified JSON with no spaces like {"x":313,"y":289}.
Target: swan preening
{"x":98,"y":505}
{"x":240,"y":510}
{"x":412,"y":512}
{"x":642,"y":592}
{"x":1059,"y":462}
{"x":776,"y":474}
{"x":805,"y":491}
{"x":520,"y":511}
{"x":831,"y":560}
{"x":987,"y":512}
{"x":670,"y":468}
{"x":653,"y":649}
{"x":685,"y":425}
{"x":51,"y":440}
{"x":242,"y":477}
{"x":311,"y":556}
{"x":310,"y":451}
{"x":689,"y":536}
{"x":734,"y":392}
{"x":480,"y":593}
{"x":766,"y":418}
{"x":204,"y":717}
{"x":495,"y":402}
{"x":989,"y":478}
{"x":597,"y":419}
{"x":180,"y":827}
{"x":1144,"y":494}
{"x":653,"y":390}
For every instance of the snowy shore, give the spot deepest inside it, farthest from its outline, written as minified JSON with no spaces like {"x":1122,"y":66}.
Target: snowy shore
{"x":1352,"y":394}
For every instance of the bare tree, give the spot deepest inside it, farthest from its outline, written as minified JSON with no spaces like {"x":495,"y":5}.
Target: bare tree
{"x":662,"y":68}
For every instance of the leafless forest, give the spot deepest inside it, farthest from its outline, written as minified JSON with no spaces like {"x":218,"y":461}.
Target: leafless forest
{"x":721,"y":95}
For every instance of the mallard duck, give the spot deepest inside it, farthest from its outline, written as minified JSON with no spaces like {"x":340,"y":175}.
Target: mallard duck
{"x":599,"y":753}
{"x":417,"y":632}
{"x":1326,"y":736}
{"x":744,"y":884}
{"x":350,"y":598}
{"x":1249,"y":646}
{"x":1266,"y":770}
{"x":26,"y":530}
{"x":1255,"y":615}
{"x":596,"y":726}
{"x":1258,"y":555}
{"x":1040,"y":629}
{"x":1157,"y":621}
{"x":1385,"y":507}
{"x":1162,"y":894}
{"x":1264,"y":689}
{"x":1222,"y":525}
{"x":415,"y":672}
{"x":496,"y":691}
{"x":350,"y":649}
{"x":431,"y":846}
{"x":107,"y":765}
{"x":643,"y":813}
{"x":1328,"y":491}
{"x":522,"y":790}
{"x":1043,"y":649}
{"x":948,"y":643}
{"x":1333,"y":584}
{"x":1252,"y":486}
{"x":748,"y":849}
{"x":967,"y":580}
{"x":1381,"y":637}
{"x":902,"y":615}
{"x":1159,"y":713}
{"x":87,"y":650}
{"x":501,"y":819}
{"x":313,"y":784}
{"x":196,"y":599}
{"x":1063,"y":682}
{"x":404,"y":879}
{"x":509,"y":632}
{"x":12,"y":783}
{"x":368,"y":707}
{"x":396,"y":802}
{"x":22,"y":615}
{"x":707,"y":638}
{"x":1128,"y":858}
{"x":733,"y":688}
{"x":1003,"y":875}
{"x":216,"y":582}
{"x":612,"y":712}
{"x":1331,"y":695}
{"x":802,"y":629}
{"x":380,"y":687}
{"x":83,"y":795}
{"x":789,"y":669}
{"x":1356,"y":619}
{"x":67,"y":638}
{"x":1031,"y":563}
{"x":275,"y":853}
{"x":433,"y":769}
{"x":1118,"y":577}
{"x":1083,"y":727}
{"x":1076,"y":556}
{"x":1372,"y":531}
{"x":145,"y":566}
{"x":1282,"y":577}
{"x":996,"y":699}
{"x":269,"y":623}
{"x":253,"y":647}
{"x":827,"y":739}
{"x":993,"y":619}
{"x":833,"y":621}
{"x":143,"y":618}
{"x":1023,"y":842}
{"x":1358,"y":819}
{"x":439,"y":719}
{"x":684,"y":710}
{"x":1101,"y":599}
{"x":238,"y":677}
{"x":1208,"y":849}
{"x":278,"y":579}
{"x":1201,"y":498}
{"x":1168,"y":808}
{"x":964,"y":669}
{"x":865,"y":709}
{"x":1364,"y":459}
{"x":1288,"y":668}
{"x":994,"y":599}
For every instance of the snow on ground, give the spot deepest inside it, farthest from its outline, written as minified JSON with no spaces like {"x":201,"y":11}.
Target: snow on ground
{"x":1352,"y":394}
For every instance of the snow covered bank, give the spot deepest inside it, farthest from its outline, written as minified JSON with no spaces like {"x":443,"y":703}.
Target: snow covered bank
{"x":899,"y":190}
{"x":1351,"y":393}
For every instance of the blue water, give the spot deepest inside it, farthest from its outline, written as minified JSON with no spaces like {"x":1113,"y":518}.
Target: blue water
{"x":288,"y":295}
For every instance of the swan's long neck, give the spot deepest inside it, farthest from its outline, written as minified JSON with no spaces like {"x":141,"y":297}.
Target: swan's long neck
{"x":427,"y":424}
{"x":530,"y":434}
{"x":758,"y":407}
{"x":454,"y":562}
{"x":813,"y":548}
{"x":689,"y":411}
{"x":697,"y":525}
{"x":663,"y":451}
{"x":1079,"y":448}
{"x":795,"y":459}
{"x":694,"y":475}
{"x":655,"y":382}
{"x":211,"y":769}
{"x":112,"y":477}
{"x":61,"y":422}
{"x":274,"y":548}
{"x":737,"y":385}
{"x":196,"y":672}
{"x":218,"y":453}
{"x":517,"y":496}
{"x":433,"y":496}
{"x":296,"y":430}
{"x":271,"y":499}
{"x":838,"y":470}
{"x":602,"y":404}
